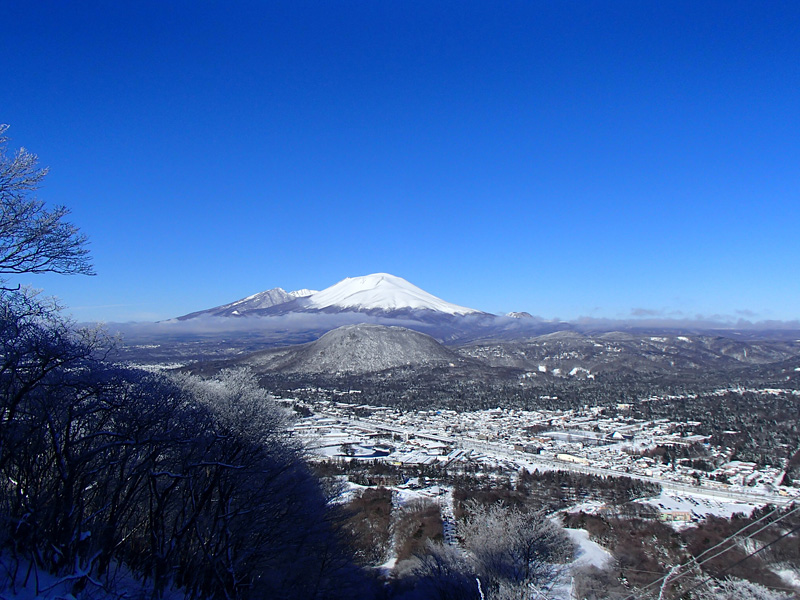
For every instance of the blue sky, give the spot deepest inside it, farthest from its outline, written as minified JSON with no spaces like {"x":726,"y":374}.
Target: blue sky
{"x":567,"y":158}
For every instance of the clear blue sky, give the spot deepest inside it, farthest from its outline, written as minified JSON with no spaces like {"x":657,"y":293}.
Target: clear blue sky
{"x":567,"y":158}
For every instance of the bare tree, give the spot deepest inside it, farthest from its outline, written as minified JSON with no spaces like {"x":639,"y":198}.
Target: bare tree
{"x":513,"y":551}
{"x":34,"y":239}
{"x":440,"y":573}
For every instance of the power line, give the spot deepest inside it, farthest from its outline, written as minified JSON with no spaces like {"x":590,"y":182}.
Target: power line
{"x":748,"y":536}
{"x":695,"y":561}
{"x":741,"y":529}
{"x":740,"y":561}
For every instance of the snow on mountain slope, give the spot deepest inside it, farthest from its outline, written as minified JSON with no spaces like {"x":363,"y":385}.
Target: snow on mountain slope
{"x":260,"y":301}
{"x":265,"y":299}
{"x":381,"y":291}
{"x":269,"y":298}
{"x":302,"y":293}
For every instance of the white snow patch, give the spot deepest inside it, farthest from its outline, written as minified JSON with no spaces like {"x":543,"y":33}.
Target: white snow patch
{"x":302,"y":293}
{"x":576,"y":370}
{"x":389,"y":565}
{"x":790,"y":576}
{"x":349,"y":491}
{"x":46,"y":586}
{"x":590,"y":507}
{"x":588,"y":553}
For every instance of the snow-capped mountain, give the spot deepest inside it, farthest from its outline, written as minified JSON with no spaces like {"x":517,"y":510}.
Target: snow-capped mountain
{"x":381,"y":292}
{"x":379,"y":298}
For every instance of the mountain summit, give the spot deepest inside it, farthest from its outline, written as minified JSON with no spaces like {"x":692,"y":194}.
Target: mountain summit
{"x":379,"y":293}
{"x":379,"y":298}
{"x":382,"y":292}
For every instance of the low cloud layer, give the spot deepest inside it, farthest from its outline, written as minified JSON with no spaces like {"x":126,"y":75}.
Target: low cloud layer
{"x":646,"y":312}
{"x":296,"y":323}
{"x":654,"y":319}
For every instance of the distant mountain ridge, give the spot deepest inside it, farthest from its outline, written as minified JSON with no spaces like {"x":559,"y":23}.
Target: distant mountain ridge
{"x":262,"y":300}
{"x":375,"y":293}
{"x":368,"y":348}
{"x":379,"y":298}
{"x":570,"y":353}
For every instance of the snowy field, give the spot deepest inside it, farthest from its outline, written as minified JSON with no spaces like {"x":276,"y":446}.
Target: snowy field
{"x":587,"y":552}
{"x":699,"y":505}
